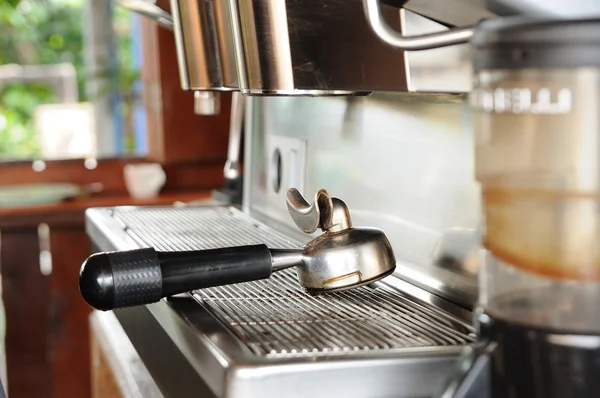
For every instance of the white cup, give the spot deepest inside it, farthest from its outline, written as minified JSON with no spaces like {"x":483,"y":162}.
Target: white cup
{"x":144,"y":180}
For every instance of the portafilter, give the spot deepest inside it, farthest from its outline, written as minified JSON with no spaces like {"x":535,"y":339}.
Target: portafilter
{"x":343,"y":257}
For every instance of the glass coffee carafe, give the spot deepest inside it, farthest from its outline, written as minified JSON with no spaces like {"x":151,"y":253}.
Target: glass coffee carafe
{"x":536,"y":105}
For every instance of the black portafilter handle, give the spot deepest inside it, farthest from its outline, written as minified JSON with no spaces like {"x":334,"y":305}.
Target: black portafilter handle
{"x":122,"y":279}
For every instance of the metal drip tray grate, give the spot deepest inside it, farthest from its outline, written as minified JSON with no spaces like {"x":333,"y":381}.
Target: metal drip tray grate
{"x":275,"y":317}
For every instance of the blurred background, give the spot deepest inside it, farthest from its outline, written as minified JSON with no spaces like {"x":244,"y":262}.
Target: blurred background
{"x":69,"y":80}
{"x":92,"y":114}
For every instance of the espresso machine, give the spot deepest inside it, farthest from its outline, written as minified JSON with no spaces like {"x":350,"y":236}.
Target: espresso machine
{"x":448,"y":154}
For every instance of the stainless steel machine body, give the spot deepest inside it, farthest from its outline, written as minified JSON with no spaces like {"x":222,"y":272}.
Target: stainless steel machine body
{"x":258,"y":338}
{"x":205,"y":51}
{"x":204,"y":44}
{"x":264,"y":337}
{"x":402,"y":162}
{"x":316,"y":48}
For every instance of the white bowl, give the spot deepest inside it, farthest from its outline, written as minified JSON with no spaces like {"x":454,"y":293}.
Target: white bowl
{"x":144,"y":180}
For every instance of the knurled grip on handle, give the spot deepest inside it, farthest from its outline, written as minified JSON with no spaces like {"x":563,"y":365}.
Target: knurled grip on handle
{"x":137,"y":277}
{"x":121,"y":279}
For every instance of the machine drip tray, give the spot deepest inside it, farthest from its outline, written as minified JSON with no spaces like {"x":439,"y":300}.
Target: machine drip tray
{"x":265,"y":335}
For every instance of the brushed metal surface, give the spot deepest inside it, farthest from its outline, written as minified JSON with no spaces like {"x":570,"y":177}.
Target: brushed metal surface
{"x":402,"y":162}
{"x":465,"y":11}
{"x":316,"y":47}
{"x":275,"y":316}
{"x":343,"y":257}
{"x":399,"y":41}
{"x":276,"y":319}
{"x":312,"y":47}
{"x":204,"y":43}
{"x":405,"y":346}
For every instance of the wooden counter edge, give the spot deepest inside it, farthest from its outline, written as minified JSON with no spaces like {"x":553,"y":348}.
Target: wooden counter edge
{"x":71,"y":213}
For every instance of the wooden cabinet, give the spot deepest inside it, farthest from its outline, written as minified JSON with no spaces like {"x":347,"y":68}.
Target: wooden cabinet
{"x":47,"y":338}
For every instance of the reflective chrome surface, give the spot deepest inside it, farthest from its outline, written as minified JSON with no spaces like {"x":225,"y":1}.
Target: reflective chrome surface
{"x":402,"y":162}
{"x":312,"y":47}
{"x":276,"y":320}
{"x":205,"y":48}
{"x":221,"y":12}
{"x":207,"y":102}
{"x":467,"y":12}
{"x":286,"y":258}
{"x":319,"y":48}
{"x":231,"y":171}
{"x":327,"y":213}
{"x":395,"y":39}
{"x":260,"y":338}
{"x":342,"y":257}
{"x":345,"y":260}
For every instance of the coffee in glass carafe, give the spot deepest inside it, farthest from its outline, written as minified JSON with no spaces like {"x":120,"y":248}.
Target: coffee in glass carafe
{"x":537,"y":123}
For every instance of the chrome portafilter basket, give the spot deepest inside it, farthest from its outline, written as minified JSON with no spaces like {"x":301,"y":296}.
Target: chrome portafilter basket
{"x":342,"y":257}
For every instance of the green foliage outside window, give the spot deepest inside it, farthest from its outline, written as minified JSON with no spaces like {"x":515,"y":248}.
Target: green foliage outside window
{"x":43,"y":32}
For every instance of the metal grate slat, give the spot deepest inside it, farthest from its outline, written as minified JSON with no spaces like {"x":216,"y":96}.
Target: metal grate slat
{"x":275,"y":317}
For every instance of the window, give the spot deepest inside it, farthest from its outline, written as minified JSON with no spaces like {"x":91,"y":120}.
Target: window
{"x":69,"y":80}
